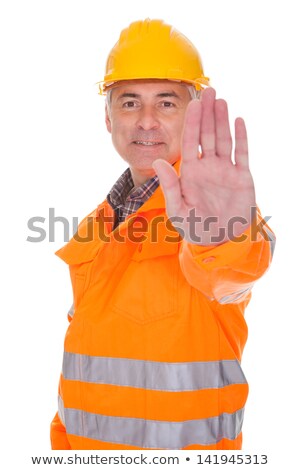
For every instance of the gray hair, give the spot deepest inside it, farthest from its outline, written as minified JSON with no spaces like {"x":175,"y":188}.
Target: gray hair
{"x":195,"y":94}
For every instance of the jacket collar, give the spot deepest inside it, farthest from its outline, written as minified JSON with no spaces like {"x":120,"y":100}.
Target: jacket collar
{"x":76,"y":252}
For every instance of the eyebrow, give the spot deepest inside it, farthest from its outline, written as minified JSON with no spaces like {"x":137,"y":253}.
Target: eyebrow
{"x":166,"y":94}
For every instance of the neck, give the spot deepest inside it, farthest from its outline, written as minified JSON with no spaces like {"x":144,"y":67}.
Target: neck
{"x":140,"y":178}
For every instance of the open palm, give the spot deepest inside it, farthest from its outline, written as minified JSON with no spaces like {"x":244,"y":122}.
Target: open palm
{"x":213,"y":193}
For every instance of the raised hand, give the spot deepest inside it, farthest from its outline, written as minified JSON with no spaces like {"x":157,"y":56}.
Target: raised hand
{"x":211,"y":201}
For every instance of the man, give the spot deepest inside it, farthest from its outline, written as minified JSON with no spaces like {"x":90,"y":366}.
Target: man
{"x":162,"y":270}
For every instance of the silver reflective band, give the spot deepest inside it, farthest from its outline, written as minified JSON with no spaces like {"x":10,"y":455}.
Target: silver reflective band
{"x":151,"y":434}
{"x":71,"y":311}
{"x":61,"y":410}
{"x":233,"y":297}
{"x":151,"y":375}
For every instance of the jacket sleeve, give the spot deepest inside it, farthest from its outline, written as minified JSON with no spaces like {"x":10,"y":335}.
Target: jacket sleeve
{"x":58,"y":435}
{"x":227,"y":272}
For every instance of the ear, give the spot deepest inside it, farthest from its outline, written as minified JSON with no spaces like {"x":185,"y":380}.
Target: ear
{"x":107,"y":119}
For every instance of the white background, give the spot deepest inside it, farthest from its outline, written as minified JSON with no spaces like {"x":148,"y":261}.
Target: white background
{"x":55,"y":152}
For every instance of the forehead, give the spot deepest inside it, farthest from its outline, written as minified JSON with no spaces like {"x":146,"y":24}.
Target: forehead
{"x":151,"y":88}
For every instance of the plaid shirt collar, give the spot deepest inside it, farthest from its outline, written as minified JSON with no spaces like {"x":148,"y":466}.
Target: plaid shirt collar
{"x":125,"y":200}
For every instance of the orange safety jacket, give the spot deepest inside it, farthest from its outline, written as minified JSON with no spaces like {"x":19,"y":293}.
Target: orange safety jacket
{"x":153,"y":349}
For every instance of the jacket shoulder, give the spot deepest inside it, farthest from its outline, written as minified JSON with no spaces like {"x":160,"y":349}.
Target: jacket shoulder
{"x":85,"y":243}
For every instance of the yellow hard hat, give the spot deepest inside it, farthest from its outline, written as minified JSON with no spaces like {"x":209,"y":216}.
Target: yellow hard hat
{"x":153,"y":49}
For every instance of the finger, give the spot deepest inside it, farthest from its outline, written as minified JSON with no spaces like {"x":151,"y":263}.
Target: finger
{"x":223,"y":135}
{"x":241,"y":144}
{"x":207,"y":131}
{"x":170,"y":184}
{"x":191,"y":131}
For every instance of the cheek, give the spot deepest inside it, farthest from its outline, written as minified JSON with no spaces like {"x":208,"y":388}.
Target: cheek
{"x":120,"y":127}
{"x":119,"y":135}
{"x":176,"y":133}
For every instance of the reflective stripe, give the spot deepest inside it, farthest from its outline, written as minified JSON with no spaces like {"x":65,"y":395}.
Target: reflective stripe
{"x":71,"y":311}
{"x":233,"y":297}
{"x":61,"y":410}
{"x":151,"y":375}
{"x":153,"y":434}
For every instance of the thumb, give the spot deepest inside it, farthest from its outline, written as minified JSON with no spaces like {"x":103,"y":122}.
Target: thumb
{"x":170,"y":184}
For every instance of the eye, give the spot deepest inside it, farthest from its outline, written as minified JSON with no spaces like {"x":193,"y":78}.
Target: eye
{"x":129,"y":104}
{"x":167,"y":104}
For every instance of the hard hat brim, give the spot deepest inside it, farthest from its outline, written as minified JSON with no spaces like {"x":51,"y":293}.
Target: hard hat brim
{"x":105,"y":86}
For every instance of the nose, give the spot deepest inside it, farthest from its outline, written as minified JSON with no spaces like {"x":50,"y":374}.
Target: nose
{"x":147,"y":118}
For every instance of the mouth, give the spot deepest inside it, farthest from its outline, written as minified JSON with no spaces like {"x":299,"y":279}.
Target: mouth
{"x":147,"y":143}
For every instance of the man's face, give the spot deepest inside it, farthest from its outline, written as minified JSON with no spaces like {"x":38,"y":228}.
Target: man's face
{"x":145,"y":120}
